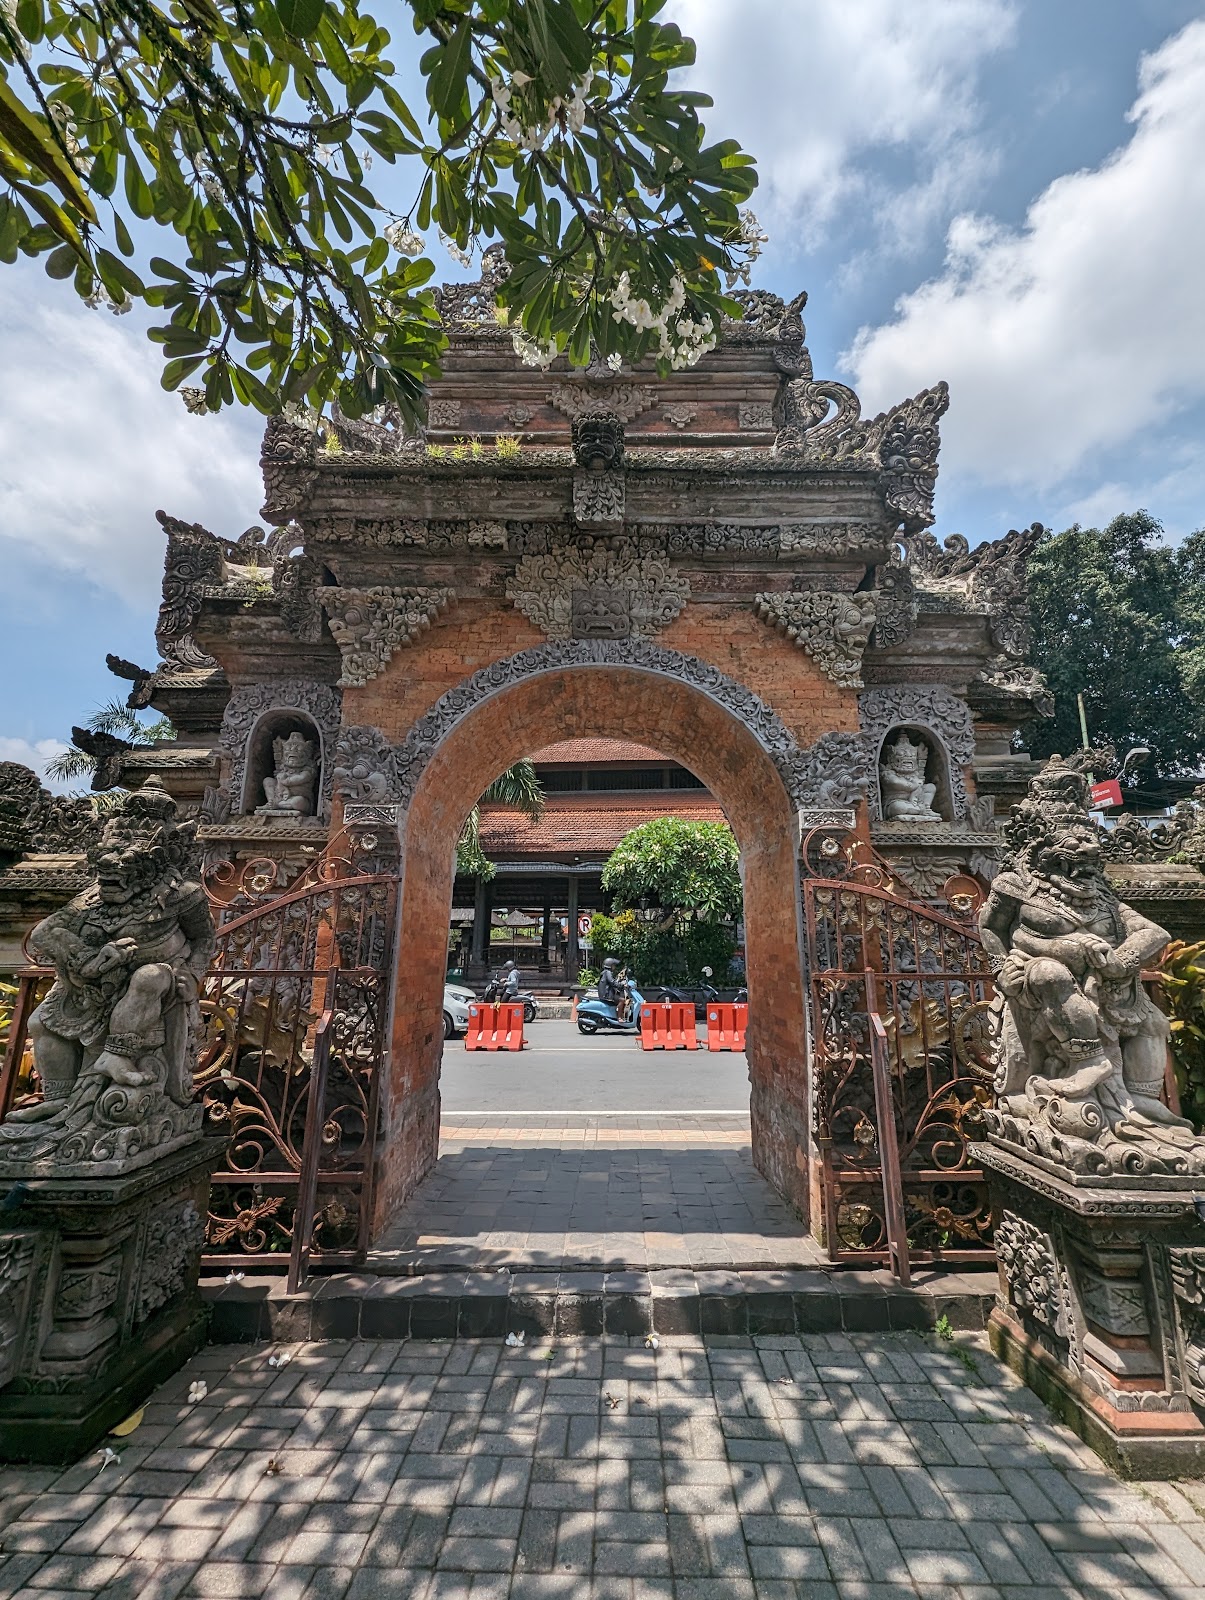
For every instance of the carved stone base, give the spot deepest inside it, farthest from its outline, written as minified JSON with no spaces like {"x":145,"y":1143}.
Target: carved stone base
{"x":1134,"y":1444}
{"x":98,"y":1297}
{"x":1102,"y":1306}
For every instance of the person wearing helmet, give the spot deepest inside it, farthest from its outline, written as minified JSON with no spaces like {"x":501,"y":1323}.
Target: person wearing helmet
{"x":609,"y":990}
{"x":510,"y":981}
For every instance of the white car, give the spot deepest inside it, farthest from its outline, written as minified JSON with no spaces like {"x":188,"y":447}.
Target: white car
{"x":457,"y":1001}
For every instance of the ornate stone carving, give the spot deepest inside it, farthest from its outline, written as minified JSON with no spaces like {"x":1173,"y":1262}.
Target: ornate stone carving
{"x":895,"y":614}
{"x":598,"y":440}
{"x":1081,"y":1049}
{"x":248,"y":703}
{"x":830,"y":538}
{"x":904,"y":794}
{"x":833,"y":772}
{"x":936,"y":710}
{"x":1032,"y":1272}
{"x":18,"y":1251}
{"x":289,"y":790}
{"x":825,"y":774}
{"x":369,"y":625}
{"x":679,"y":415}
{"x":443,"y":414}
{"x":115,"y":1039}
{"x":822,"y":422}
{"x":295,"y":581}
{"x":170,"y":1257}
{"x":34,"y":821}
{"x":992,"y":577}
{"x":832,"y":628}
{"x":474,"y":305}
{"x":364,"y":767}
{"x":288,"y":461}
{"x":624,"y":400}
{"x":597,"y":593}
{"x":1188,"y":1290}
{"x":193,"y":559}
{"x":928,"y":874}
{"x":519,"y":415}
{"x":381,"y":433}
{"x":755,"y":415}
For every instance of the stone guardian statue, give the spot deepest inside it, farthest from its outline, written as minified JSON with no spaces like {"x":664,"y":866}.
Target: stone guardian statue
{"x":1081,"y":1048}
{"x":906,"y":795}
{"x":115,"y":1038}
{"x":289,"y":790}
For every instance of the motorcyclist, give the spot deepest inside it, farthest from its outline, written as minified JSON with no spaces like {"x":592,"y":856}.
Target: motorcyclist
{"x":510,"y":982}
{"x":610,"y":990}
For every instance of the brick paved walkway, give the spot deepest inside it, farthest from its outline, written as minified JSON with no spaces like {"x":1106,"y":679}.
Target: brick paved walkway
{"x":593,"y":1192}
{"x":860,"y":1467}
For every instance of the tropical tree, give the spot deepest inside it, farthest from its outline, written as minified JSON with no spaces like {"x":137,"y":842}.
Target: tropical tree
{"x":686,"y":868}
{"x":236,"y":138}
{"x":518,"y":786}
{"x":1119,"y":617}
{"x":116,"y":721}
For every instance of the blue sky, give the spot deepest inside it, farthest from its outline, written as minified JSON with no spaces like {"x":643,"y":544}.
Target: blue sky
{"x":1008,"y":194}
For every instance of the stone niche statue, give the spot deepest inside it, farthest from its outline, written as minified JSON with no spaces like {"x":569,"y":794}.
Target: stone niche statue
{"x":907,"y":797}
{"x":289,"y":789}
{"x":115,"y":1039}
{"x":1081,"y":1049}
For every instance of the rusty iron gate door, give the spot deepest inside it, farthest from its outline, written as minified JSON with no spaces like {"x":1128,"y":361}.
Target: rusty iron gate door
{"x":898,"y":996}
{"x":295,"y":1008}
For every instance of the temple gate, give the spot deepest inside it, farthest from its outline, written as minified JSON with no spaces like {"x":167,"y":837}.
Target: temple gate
{"x":728,"y":564}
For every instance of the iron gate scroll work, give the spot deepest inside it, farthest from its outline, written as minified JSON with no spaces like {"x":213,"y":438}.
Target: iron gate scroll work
{"x":899,"y":994}
{"x":296,"y":1011}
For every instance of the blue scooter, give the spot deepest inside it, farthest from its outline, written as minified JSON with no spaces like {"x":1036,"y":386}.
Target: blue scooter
{"x":595,"y":1017}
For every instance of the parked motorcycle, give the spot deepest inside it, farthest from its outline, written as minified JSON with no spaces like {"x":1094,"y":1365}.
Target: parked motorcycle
{"x":593,"y":1016}
{"x":495,"y":994}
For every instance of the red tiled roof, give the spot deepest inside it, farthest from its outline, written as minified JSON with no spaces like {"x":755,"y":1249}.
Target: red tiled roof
{"x":596,"y":750}
{"x":594,"y":824}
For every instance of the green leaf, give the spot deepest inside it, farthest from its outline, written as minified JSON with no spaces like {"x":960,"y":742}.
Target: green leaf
{"x":301,"y":18}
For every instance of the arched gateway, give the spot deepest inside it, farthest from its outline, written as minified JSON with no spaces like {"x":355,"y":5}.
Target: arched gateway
{"x":727,"y":564}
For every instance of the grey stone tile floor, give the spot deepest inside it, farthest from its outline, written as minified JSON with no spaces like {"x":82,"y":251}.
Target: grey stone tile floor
{"x":651,"y":1192}
{"x":824,"y":1467}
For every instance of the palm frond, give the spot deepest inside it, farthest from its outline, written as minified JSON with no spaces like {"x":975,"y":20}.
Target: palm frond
{"x":519,"y":786}
{"x":70,"y":763}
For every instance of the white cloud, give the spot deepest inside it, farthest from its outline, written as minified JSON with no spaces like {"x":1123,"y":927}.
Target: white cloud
{"x":817,"y":89}
{"x":91,"y":446}
{"x":1083,"y":330}
{"x":35,"y":753}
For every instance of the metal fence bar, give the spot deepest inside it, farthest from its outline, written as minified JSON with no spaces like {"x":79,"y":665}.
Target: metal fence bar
{"x":315,"y":1121}
{"x":18,"y":1032}
{"x":889,"y":1150}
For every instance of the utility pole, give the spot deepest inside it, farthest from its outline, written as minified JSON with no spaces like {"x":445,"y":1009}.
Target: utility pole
{"x":1083,"y":721}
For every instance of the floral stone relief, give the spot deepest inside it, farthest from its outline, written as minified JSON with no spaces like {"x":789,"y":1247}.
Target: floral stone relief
{"x":832,"y":628}
{"x":369,"y":625}
{"x":601,"y":593}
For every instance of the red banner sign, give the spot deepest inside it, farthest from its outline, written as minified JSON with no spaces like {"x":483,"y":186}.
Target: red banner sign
{"x":1106,"y":794}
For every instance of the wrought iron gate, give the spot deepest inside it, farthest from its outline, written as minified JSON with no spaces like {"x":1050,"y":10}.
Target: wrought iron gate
{"x":898,"y":995}
{"x":295,"y":1009}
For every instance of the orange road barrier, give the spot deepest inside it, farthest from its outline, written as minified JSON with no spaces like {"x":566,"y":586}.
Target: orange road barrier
{"x":483,"y":1021}
{"x":654,"y":1026}
{"x":726,"y":1026}
{"x":495,"y":1027}
{"x":510,"y":1027}
{"x":680,"y":1033}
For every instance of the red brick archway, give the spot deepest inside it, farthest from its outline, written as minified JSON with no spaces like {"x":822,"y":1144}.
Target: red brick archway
{"x":690,"y":727}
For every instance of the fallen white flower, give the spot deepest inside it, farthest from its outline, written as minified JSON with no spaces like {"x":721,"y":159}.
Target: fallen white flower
{"x":197,"y":1391}
{"x":235,"y":1277}
{"x":106,"y":1456}
{"x":515,"y":1339}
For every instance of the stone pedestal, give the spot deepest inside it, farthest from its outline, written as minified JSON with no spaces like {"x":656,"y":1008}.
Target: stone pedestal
{"x":1102,"y":1306}
{"x":98,"y":1297}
